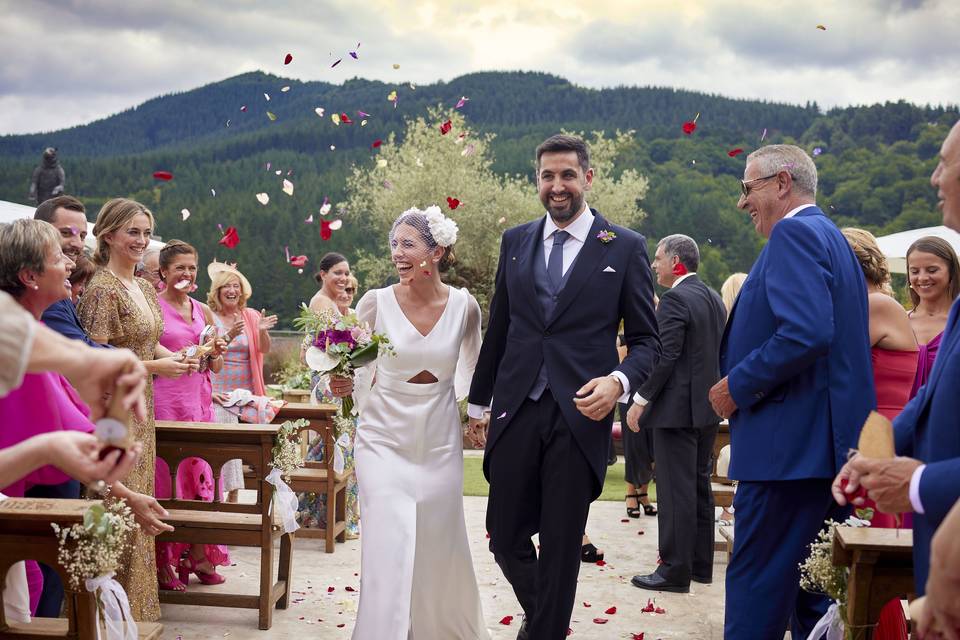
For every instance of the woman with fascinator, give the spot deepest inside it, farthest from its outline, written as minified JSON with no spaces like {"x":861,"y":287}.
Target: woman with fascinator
{"x":409,"y":455}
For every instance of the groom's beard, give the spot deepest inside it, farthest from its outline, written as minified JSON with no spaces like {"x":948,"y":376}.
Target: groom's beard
{"x":564,"y":215}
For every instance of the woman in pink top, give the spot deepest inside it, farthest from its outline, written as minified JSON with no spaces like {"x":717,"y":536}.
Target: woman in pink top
{"x":933,"y":274}
{"x":34,"y":271}
{"x":185,"y":399}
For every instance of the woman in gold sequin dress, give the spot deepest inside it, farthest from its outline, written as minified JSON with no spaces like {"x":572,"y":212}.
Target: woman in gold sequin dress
{"x":122,"y":310}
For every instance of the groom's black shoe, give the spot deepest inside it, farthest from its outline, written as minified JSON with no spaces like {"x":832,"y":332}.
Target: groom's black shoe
{"x":523,"y":634}
{"x":654,"y":582}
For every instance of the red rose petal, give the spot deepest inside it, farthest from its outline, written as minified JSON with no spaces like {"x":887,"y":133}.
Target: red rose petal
{"x":624,"y":520}
{"x":649,"y":608}
{"x":587,"y":604}
{"x":230,"y":238}
{"x":733,"y":153}
{"x":640,"y":533}
{"x":300,"y":261}
{"x":506,"y":619}
{"x":351,"y":589}
{"x":453,"y":203}
{"x":341,"y":625}
{"x":659,"y":610}
{"x":345,"y":119}
{"x":376,"y":143}
{"x":636,"y":636}
{"x":325,"y":231}
{"x":611,"y":611}
{"x":163,"y":175}
{"x":569,"y":631}
{"x":243,"y":108}
{"x":445,"y":128}
{"x":600,"y":621}
{"x":601,"y":563}
{"x":689,"y":127}
{"x":287,"y":59}
{"x":329,"y":589}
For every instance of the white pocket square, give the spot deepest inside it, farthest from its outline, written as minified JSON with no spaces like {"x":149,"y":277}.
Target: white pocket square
{"x":609,"y":270}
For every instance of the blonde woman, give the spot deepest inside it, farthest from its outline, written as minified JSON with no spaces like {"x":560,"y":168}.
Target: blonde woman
{"x":731,"y":288}
{"x":120,"y":309}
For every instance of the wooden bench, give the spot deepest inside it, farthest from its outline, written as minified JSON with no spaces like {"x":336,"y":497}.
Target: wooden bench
{"x":726,"y":545}
{"x":228,"y":523}
{"x":881,"y":568}
{"x":721,"y":486}
{"x":26,"y":534}
{"x":318,"y":476}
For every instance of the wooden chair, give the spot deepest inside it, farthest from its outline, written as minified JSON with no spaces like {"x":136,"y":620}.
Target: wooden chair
{"x":228,"y":523}
{"x":318,"y":476}
{"x":26,"y":534}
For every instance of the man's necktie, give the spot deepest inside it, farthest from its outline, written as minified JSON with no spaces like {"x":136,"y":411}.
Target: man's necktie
{"x":555,"y":262}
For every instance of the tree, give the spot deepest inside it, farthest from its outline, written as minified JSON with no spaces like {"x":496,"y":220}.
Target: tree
{"x":428,"y":166}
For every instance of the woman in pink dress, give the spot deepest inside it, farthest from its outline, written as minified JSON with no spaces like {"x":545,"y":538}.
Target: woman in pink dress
{"x":34,"y":270}
{"x":933,"y":274}
{"x":185,"y":399}
{"x":893,"y":351}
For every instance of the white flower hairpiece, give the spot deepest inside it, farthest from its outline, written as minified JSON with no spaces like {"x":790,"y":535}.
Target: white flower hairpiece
{"x":443,"y":229}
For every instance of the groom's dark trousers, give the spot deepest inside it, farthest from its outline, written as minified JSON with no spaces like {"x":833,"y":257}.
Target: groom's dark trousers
{"x":540,"y":482}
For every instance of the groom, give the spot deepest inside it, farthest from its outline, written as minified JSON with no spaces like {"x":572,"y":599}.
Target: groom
{"x":549,"y":365}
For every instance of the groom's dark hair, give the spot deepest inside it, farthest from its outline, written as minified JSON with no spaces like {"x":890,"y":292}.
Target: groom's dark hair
{"x":560,"y":143}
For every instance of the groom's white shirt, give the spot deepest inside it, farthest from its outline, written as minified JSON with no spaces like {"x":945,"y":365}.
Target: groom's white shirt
{"x":579,"y":229}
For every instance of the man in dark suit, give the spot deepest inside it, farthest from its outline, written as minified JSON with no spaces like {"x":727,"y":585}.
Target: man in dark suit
{"x":925,"y":476}
{"x":798,"y":385}
{"x":674,"y":403}
{"x":549,"y":365}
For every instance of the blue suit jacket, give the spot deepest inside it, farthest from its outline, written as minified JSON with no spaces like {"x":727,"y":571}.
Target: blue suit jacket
{"x":62,"y":317}
{"x":608,"y":281}
{"x":797,"y":355}
{"x":929,"y":429}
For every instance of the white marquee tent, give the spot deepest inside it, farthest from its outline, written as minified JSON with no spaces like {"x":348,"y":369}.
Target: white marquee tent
{"x":10,"y":211}
{"x":895,"y":245}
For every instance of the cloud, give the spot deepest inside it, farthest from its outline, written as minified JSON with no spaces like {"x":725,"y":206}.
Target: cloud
{"x":68,"y":62}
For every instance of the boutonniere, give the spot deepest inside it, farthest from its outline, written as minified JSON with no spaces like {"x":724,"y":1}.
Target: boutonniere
{"x":605,"y":236}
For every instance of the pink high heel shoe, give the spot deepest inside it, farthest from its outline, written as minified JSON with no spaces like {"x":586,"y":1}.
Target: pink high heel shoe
{"x":188,"y":565}
{"x":172,"y":584}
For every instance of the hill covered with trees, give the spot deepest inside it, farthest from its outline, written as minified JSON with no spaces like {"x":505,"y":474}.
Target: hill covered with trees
{"x":223,"y":148}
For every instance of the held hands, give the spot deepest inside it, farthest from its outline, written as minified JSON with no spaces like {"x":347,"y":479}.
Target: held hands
{"x":596,"y":399}
{"x":633,"y":416}
{"x":477,"y":431}
{"x":886,"y":481}
{"x":78,"y":455}
{"x":341,"y":387}
{"x":721,"y":400}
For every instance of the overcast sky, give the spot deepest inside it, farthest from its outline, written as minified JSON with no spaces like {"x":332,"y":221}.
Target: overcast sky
{"x":69,"y":62}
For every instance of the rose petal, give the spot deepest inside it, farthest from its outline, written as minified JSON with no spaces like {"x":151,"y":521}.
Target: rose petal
{"x":185,"y":213}
{"x":243,"y":108}
{"x":600,"y":621}
{"x":272,"y":116}
{"x":624,"y":519}
{"x":345,"y":119}
{"x":300,"y":261}
{"x":263,"y":198}
{"x":445,"y":127}
{"x":325,"y":231}
{"x":336,"y":224}
{"x":351,"y":589}
{"x":733,"y":153}
{"x":288,"y":187}
{"x":336,"y":63}
{"x":163,"y":175}
{"x":462,"y":101}
{"x":506,"y":620}
{"x":689,"y":127}
{"x":267,"y":96}
{"x":319,"y":111}
{"x":376,"y":143}
{"x":287,"y":59}
{"x":285,"y":88}
{"x":453,"y":203}
{"x":601,"y":563}
{"x":611,"y":611}
{"x":230,"y":238}
{"x":636,"y":636}
{"x":587,"y":604}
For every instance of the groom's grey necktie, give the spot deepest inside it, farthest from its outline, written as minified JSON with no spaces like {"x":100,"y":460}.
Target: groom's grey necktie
{"x":555,"y":262}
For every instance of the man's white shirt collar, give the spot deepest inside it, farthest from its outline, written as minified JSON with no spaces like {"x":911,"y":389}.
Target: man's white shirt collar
{"x":579,"y":228}
{"x":794,"y":212}
{"x":682,"y":278}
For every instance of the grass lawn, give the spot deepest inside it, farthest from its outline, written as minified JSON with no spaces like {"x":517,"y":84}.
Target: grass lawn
{"x":474,"y":484}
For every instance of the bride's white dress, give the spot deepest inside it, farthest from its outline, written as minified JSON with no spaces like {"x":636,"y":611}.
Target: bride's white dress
{"x":417,"y":580}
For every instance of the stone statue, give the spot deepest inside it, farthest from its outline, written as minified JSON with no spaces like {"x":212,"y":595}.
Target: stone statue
{"x":48,"y":178}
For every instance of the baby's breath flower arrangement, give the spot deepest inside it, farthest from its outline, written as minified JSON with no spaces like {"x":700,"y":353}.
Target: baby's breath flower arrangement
{"x":95,"y":547}
{"x":287,"y":456}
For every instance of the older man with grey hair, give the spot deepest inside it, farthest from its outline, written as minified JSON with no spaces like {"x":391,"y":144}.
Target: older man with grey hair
{"x":673,"y":403}
{"x":797,"y":385}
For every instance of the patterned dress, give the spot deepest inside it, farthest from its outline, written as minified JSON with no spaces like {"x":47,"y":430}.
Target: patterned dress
{"x":107,"y":312}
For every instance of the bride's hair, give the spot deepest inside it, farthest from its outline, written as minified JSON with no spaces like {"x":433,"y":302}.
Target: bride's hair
{"x":418,"y":220}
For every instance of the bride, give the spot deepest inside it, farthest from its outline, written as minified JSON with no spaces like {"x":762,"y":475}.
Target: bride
{"x":417,"y":580}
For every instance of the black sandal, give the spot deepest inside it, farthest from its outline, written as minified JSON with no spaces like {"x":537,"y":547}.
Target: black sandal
{"x":589,"y":553}
{"x":633,"y":512}
{"x":648,"y":509}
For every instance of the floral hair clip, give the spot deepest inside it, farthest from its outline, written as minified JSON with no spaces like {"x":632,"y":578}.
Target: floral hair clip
{"x":606,"y":236}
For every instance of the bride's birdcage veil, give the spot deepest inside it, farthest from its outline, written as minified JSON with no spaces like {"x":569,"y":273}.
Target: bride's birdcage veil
{"x":434,"y":228}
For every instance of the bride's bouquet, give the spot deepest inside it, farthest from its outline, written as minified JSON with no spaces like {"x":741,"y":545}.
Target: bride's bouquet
{"x":337,"y":345}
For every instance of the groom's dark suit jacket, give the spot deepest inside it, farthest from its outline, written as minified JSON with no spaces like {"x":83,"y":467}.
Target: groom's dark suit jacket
{"x":607,"y":282}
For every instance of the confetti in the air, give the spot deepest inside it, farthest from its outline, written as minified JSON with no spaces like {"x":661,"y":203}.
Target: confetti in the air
{"x":287,"y":59}
{"x":345,"y":119}
{"x":163,"y":175}
{"x":611,"y":611}
{"x":285,"y":88}
{"x":763,"y":135}
{"x":363,"y":114}
{"x":299,"y":261}
{"x":272,"y":116}
{"x":691,"y":125}
{"x":335,"y":118}
{"x":309,"y":219}
{"x":243,"y":108}
{"x":325,"y":231}
{"x":376,"y":143}
{"x":445,"y":127}
{"x":336,"y":63}
{"x":263,"y":198}
{"x":325,"y":207}
{"x":267,"y":96}
{"x":505,"y":620}
{"x":817,"y":151}
{"x":468,"y":150}
{"x":230,"y":238}
{"x":319,"y":111}
{"x":381,"y":163}
{"x":213,"y":192}
{"x":288,"y":187}
{"x":501,"y":220}
{"x":462,"y":101}
{"x":821,"y":27}
{"x":333,"y":147}
{"x":185,"y":213}
{"x":396,"y":66}
{"x":733,"y":153}
{"x":453,"y":203}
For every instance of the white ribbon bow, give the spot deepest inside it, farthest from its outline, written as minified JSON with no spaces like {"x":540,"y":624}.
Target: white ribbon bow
{"x":286,"y":501}
{"x":115,"y":614}
{"x":831,"y":625}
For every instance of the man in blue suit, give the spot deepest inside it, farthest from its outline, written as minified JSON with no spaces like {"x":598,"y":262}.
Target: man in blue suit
{"x":797,"y":385}
{"x":549,"y":365}
{"x":925,"y":476}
